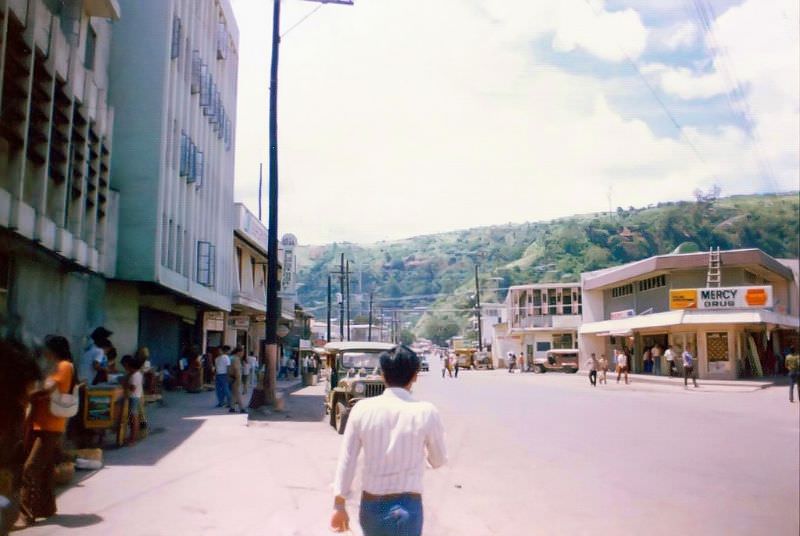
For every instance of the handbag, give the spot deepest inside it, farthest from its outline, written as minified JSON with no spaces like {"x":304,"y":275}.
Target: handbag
{"x":65,"y":405}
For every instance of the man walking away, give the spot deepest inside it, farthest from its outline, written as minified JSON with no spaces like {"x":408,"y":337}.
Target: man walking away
{"x":456,"y":365}
{"x":591,"y":364}
{"x":521,"y":361}
{"x":688,"y":367}
{"x":512,"y":362}
{"x":656,"y":352}
{"x":397,"y":434}
{"x":793,"y":364}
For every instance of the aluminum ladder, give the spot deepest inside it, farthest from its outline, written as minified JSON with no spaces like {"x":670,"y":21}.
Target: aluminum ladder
{"x":714,"y":277}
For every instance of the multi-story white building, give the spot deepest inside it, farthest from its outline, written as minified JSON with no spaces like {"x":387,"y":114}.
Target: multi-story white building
{"x":539,"y":318}
{"x":173,"y":84}
{"x":57,"y":202}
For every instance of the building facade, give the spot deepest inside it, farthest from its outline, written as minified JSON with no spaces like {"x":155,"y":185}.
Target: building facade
{"x":173,"y":85}
{"x":735,"y":327}
{"x":539,"y":317}
{"x":246,"y":323}
{"x":58,"y":203}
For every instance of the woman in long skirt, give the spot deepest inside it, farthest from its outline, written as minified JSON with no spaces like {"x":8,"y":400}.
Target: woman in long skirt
{"x":38,"y":486}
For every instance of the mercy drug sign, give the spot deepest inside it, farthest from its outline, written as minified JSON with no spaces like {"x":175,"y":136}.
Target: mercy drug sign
{"x":721,"y":298}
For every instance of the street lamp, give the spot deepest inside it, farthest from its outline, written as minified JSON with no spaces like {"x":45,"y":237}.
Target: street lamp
{"x":267,"y":395}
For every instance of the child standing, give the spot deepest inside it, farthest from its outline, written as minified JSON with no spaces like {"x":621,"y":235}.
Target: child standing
{"x":135,"y":390}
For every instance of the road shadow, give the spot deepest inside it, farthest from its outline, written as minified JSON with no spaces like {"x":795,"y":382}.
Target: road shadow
{"x":168,"y":426}
{"x":301,"y":404}
{"x":71,"y":521}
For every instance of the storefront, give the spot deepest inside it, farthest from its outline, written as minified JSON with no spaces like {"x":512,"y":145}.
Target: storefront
{"x":734,"y":331}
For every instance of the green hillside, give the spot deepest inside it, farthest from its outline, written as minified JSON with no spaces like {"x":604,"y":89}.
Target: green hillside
{"x":437,"y":271}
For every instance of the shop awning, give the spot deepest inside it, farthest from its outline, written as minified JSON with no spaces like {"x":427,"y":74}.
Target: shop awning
{"x":625,"y":326}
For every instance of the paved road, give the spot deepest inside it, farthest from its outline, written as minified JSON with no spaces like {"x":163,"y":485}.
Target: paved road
{"x":529,"y":454}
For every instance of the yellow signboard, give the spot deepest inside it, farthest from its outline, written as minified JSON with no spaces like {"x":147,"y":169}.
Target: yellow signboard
{"x":685,"y":298}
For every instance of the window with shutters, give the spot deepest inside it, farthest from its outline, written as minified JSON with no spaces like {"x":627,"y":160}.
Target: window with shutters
{"x":191,"y":171}
{"x":222,"y":41}
{"x":198,"y":169}
{"x":176,"y":37}
{"x":206,"y":254}
{"x":184,"y":166}
{"x":197,"y":66}
{"x":206,"y":84}
{"x":91,"y":44}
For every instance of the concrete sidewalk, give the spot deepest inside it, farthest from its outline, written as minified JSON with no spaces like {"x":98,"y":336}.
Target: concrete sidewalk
{"x":734,"y":386}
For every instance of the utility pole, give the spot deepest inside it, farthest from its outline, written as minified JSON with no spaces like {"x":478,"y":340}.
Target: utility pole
{"x":260,"y":184}
{"x":347,"y":280}
{"x":266,"y":394}
{"x":341,"y":303}
{"x":478,"y":307}
{"x":329,"y":309}
{"x":369,"y":332}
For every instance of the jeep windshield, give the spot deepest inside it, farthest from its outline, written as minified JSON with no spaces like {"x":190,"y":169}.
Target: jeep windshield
{"x":358,"y":360}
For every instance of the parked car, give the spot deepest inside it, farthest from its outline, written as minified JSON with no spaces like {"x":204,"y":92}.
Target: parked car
{"x":483,"y":360}
{"x":557,"y":361}
{"x":354,"y":376}
{"x":424,"y":365}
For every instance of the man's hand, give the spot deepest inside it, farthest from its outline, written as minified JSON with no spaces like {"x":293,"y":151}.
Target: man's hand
{"x":340,"y":521}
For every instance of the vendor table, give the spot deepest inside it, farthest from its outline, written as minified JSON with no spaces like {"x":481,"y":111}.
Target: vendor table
{"x":105,"y":407}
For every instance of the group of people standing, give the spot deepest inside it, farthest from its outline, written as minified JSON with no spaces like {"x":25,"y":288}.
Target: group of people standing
{"x":449,"y":365}
{"x":622,"y":360}
{"x":232,"y":376}
{"x":515,"y":362}
{"x":37,"y":391}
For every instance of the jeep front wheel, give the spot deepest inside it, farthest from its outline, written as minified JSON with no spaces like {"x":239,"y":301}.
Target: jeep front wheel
{"x":341,"y":417}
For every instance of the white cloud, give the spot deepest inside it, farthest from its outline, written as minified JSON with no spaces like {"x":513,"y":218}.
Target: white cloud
{"x":401,"y":118}
{"x":678,"y":36}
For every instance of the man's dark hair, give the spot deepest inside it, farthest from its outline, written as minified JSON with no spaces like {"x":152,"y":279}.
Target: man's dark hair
{"x":399,"y":365}
{"x":226,"y":349}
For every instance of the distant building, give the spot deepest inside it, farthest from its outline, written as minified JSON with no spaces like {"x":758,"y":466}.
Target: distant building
{"x":538,"y":318}
{"x":734,"y":327}
{"x":58,"y":206}
{"x":173,"y":84}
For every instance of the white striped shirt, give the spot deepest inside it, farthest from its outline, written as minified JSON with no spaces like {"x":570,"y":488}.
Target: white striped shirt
{"x":395,"y":431}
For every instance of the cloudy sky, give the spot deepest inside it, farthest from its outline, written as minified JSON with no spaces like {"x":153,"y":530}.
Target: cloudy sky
{"x":406,"y":117}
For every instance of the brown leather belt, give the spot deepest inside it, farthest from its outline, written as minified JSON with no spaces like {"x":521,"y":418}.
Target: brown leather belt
{"x":391,"y":497}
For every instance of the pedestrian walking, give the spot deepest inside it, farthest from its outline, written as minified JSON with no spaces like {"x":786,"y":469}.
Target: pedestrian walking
{"x":792,"y":363}
{"x":19,"y":375}
{"x":221,"y":364}
{"x":512,"y":362}
{"x":397,"y":434}
{"x":603,"y":365}
{"x":38,"y":498}
{"x":688,"y":367}
{"x":669,"y":355}
{"x":622,"y":365}
{"x":592,"y":365}
{"x":521,"y":360}
{"x":443,"y":361}
{"x":451,"y":361}
{"x":235,"y":375}
{"x":456,"y":365}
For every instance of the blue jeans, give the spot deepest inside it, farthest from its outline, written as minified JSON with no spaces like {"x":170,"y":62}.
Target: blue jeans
{"x":223,"y":389}
{"x":401,"y":516}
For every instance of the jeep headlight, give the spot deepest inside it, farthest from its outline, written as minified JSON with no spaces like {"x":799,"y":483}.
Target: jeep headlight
{"x":359,"y":388}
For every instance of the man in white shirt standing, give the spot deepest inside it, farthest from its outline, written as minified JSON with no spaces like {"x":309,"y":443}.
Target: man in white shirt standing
{"x":397,"y":434}
{"x":223,"y":388}
{"x":669,"y":355}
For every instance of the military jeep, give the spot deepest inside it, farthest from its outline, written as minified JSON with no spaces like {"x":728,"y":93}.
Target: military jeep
{"x":355,"y":375}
